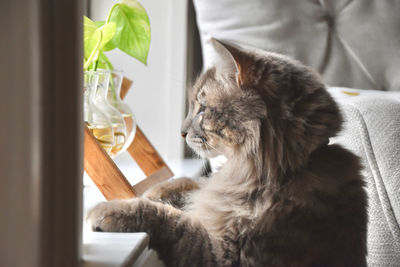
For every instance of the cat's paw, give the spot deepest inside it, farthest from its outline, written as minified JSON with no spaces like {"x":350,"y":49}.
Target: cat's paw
{"x":171,"y":192}
{"x":113,"y":216}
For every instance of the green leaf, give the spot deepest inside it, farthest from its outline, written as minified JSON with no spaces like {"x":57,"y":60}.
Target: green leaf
{"x":95,"y":38}
{"x":133,"y":29}
{"x":109,"y":45}
{"x":89,"y":27}
{"x":105,"y":33}
{"x":99,"y":23}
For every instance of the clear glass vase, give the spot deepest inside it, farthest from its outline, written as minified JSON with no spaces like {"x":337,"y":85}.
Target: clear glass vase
{"x":113,"y":115}
{"x":95,"y":119}
{"x":114,"y":99}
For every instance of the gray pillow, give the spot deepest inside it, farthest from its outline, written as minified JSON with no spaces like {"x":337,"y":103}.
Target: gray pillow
{"x":353,"y":43}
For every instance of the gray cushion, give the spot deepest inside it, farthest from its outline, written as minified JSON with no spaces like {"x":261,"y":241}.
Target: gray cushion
{"x":352,"y":43}
{"x":372,"y":131}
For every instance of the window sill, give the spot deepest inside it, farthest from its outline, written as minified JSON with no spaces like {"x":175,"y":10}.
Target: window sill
{"x":117,"y":249}
{"x":125,"y":249}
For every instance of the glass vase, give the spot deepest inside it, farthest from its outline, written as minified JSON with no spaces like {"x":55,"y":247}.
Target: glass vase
{"x":113,"y":115}
{"x":114,"y":98}
{"x":95,"y":119}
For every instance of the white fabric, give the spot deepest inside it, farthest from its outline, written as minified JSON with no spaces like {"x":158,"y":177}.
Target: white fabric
{"x":352,"y":43}
{"x":372,"y":131}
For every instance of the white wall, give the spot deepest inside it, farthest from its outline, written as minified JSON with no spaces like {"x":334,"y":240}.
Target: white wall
{"x":157,"y":95}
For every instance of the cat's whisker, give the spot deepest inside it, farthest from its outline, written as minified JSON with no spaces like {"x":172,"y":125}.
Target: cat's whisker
{"x":208,"y":144}
{"x":208,"y":151}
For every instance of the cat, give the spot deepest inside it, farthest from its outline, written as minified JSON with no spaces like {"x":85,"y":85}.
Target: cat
{"x":285,"y":197}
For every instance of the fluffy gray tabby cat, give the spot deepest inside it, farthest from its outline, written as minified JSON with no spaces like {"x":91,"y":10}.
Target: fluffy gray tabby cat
{"x":283,"y":198}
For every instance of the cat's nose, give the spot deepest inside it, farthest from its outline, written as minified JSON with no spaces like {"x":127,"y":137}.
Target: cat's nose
{"x":183,"y":134}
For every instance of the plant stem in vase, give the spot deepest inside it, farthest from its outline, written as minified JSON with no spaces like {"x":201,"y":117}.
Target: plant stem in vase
{"x":95,"y":119}
{"x":114,"y":99}
{"x":114,"y":116}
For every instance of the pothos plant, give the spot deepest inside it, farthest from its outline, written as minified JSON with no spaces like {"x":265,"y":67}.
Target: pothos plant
{"x":126,"y":27}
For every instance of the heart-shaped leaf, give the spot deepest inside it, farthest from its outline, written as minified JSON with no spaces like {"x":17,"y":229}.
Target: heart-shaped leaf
{"x":133,"y":29}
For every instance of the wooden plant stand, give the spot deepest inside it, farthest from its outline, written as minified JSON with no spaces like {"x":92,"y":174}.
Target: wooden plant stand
{"x":106,"y":174}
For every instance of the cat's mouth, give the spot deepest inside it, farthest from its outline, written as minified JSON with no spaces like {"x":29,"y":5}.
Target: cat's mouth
{"x":197,"y":146}
{"x":195,"y":143}
{"x":202,"y":147}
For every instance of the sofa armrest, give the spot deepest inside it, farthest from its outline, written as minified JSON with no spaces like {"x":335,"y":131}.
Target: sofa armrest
{"x":372,"y":131}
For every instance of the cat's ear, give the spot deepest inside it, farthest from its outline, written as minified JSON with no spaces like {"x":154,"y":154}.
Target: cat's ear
{"x":228,"y":60}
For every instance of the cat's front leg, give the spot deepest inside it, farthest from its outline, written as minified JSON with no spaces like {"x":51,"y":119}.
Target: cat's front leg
{"x":179,"y":239}
{"x":172,"y":192}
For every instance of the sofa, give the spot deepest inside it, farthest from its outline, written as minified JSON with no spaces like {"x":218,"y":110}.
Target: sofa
{"x":355,"y":46}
